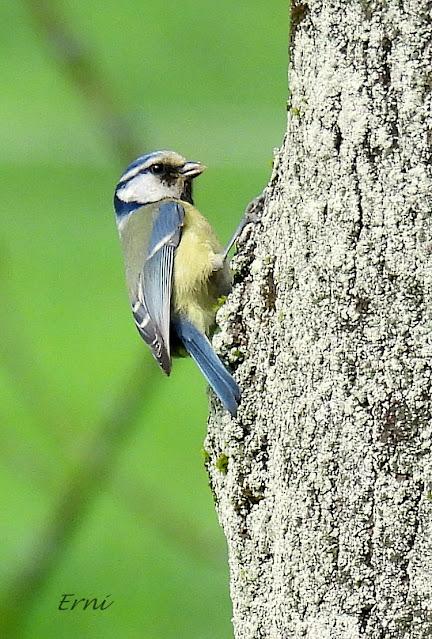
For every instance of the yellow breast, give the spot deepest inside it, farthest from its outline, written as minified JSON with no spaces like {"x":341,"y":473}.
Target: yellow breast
{"x":198,"y":271}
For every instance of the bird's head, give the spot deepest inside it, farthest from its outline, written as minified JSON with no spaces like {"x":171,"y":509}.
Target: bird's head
{"x":153,"y":177}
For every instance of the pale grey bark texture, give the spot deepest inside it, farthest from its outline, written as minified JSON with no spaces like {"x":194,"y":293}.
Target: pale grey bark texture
{"x":323,"y":482}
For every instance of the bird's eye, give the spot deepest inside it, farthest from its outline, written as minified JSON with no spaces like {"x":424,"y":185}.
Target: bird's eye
{"x":157,"y":169}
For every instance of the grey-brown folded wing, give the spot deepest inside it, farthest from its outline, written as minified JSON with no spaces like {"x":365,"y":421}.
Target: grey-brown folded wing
{"x":151,"y":293}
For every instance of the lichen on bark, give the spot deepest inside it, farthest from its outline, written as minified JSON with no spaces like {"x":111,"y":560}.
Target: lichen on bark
{"x":325,"y":502}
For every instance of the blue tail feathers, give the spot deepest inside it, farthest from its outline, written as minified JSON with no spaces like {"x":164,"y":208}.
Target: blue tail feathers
{"x":200,"y":349}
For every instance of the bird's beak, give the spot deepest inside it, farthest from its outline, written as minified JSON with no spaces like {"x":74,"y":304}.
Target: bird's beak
{"x":192,"y":169}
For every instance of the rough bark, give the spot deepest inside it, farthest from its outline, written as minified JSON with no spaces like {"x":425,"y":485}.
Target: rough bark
{"x":323,"y":482}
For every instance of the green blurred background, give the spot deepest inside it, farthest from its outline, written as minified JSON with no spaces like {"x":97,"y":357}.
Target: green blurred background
{"x":91,"y":505}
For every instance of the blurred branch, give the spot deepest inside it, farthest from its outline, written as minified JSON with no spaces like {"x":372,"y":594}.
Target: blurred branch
{"x":178,"y":530}
{"x":73,"y":505}
{"x":76,"y":61}
{"x":23,"y":370}
{"x":18,"y":359}
{"x":94,"y":471}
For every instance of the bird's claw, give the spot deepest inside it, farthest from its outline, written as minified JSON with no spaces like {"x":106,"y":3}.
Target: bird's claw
{"x":254,"y":209}
{"x":251,"y":216}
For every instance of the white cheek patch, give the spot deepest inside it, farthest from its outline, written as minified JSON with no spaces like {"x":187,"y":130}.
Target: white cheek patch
{"x":148,"y":188}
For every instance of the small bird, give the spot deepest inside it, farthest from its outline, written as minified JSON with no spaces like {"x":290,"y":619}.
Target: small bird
{"x":176,"y":270}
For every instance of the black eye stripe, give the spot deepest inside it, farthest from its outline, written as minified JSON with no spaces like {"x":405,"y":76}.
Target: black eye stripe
{"x":165,"y":170}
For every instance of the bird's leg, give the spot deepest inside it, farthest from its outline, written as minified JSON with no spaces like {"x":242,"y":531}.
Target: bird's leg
{"x":251,"y":215}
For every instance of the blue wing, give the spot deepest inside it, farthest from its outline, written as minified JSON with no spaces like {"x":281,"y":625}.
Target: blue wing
{"x":152,"y":304}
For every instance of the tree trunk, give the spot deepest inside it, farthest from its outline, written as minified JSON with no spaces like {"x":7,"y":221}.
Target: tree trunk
{"x":323,"y":482}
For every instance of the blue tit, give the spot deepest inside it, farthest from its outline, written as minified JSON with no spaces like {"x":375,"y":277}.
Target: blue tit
{"x":175,"y":268}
